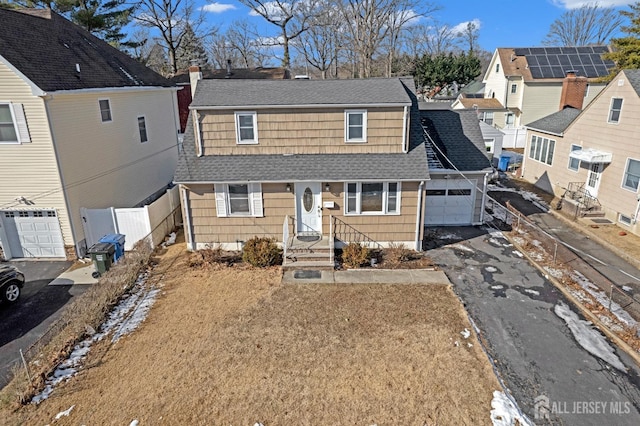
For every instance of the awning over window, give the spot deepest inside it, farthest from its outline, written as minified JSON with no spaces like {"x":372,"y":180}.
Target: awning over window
{"x":590,"y":155}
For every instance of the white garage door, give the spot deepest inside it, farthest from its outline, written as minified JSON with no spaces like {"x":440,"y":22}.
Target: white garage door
{"x":449,"y":202}
{"x":33,"y":233}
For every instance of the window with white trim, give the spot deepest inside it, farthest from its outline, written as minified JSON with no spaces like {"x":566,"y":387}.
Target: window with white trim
{"x":487,"y":117}
{"x":624,"y":219}
{"x":13,"y":124}
{"x":509,"y":119}
{"x":614,"y":110}
{"x":489,"y":144}
{"x":105,"y":110}
{"x":246,"y":127}
{"x":142,"y":129}
{"x":372,"y":198}
{"x":355,"y":126}
{"x":514,"y":88}
{"x":574,"y":163}
{"x":542,"y":149}
{"x":239,"y":199}
{"x":631,"y":175}
{"x":497,"y":68}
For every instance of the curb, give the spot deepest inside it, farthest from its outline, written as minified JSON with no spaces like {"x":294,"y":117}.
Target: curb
{"x":583,"y":309}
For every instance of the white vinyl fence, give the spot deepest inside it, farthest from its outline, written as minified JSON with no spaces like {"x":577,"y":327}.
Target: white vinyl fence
{"x":153,"y":221}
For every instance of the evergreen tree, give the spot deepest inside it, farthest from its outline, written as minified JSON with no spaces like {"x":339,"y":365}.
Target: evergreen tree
{"x":191,"y":51}
{"x":443,"y":69}
{"x":626,"y":50}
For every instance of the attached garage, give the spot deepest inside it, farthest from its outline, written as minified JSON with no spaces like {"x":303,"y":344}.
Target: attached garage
{"x":31,"y":233}
{"x":450,"y":202}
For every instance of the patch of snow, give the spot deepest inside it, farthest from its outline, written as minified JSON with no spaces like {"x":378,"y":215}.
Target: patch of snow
{"x":497,"y":287}
{"x":465,"y":333}
{"x":134,"y":423}
{"x":65,"y":412}
{"x":491,"y":269}
{"x":260,"y":424}
{"x":537,"y":256}
{"x":519,"y":241}
{"x":456,"y":343}
{"x":589,"y":338}
{"x":462,"y":247}
{"x":606,"y":320}
{"x":125,"y":317}
{"x":171,"y":240}
{"x":531,"y":291}
{"x":469,"y":345}
{"x":536,"y":243}
{"x":626,"y":288}
{"x":555,"y":273}
{"x":603,"y":299}
{"x":448,"y":237}
{"x":517,"y":253}
{"x":505,"y":412}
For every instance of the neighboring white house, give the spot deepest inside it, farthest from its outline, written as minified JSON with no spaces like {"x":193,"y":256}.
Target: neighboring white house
{"x":81,"y":125}
{"x":528,"y":83}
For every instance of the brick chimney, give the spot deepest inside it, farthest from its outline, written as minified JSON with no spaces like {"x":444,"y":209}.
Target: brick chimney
{"x":573,"y":91}
{"x":194,"y":76}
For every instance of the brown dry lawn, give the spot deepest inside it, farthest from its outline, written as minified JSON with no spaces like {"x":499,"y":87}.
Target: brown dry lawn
{"x":234,"y":346}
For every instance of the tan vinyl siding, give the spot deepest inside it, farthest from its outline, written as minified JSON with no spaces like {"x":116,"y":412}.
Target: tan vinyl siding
{"x":29,"y":170}
{"x":540,"y":100}
{"x":495,"y":82}
{"x":208,"y":228}
{"x":105,"y":164}
{"x":303,"y":131}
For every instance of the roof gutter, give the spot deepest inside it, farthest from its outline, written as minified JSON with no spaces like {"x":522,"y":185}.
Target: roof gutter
{"x":210,"y":182}
{"x":253,"y":107}
{"x":544,"y":131}
{"x":114,"y":90}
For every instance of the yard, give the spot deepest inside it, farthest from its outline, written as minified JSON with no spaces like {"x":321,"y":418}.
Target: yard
{"x":232,"y":345}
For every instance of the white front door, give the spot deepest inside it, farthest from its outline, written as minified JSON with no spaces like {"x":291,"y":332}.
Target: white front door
{"x":309,"y":207}
{"x":593,"y":179}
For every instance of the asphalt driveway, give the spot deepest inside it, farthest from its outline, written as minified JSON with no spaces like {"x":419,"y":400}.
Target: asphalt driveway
{"x":22,"y":323}
{"x":535,"y":352}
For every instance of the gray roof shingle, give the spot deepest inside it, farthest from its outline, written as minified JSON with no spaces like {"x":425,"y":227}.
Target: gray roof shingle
{"x":46,"y":47}
{"x":634,"y":79}
{"x":256,"y":93}
{"x":557,"y":122}
{"x":457,"y":134}
{"x":312,"y":167}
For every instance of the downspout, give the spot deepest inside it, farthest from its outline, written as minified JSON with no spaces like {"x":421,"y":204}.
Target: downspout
{"x":418,"y":245}
{"x":196,"y":123}
{"x":484,"y":197}
{"x":187,"y":217}
{"x":405,"y":125}
{"x":46,"y":98}
{"x":635,"y":218}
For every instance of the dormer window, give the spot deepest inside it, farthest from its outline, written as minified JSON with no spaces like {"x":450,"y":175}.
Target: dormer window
{"x":355,"y":124}
{"x":247,"y":127}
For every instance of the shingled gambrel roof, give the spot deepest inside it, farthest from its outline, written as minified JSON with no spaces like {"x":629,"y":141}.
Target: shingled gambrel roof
{"x":458,"y":138}
{"x":557,"y":122}
{"x":45,"y":48}
{"x":411,"y":166}
{"x":256,"y":93}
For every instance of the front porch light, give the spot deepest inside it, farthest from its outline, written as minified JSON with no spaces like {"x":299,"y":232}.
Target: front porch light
{"x":327,"y":187}
{"x":288,"y":187}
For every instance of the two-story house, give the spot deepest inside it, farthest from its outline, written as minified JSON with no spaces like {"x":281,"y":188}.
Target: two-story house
{"x":527,"y":82}
{"x":319,"y":152}
{"x":592,"y":157}
{"x":81,"y":125}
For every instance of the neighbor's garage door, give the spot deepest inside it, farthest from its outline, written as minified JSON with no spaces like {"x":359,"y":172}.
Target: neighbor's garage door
{"x":33,"y":233}
{"x":449,"y":202}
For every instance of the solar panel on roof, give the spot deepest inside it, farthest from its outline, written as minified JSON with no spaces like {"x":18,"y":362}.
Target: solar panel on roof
{"x":585,"y":59}
{"x":601,"y":70}
{"x":574,"y":59}
{"x":553,"y":50}
{"x":536,"y":72}
{"x":564,"y":60}
{"x":542,"y":59}
{"x":537,"y":51}
{"x":532,"y":61}
{"x":553,"y":60}
{"x":600,"y":49}
{"x":590,"y":71}
{"x":558,"y":72}
{"x":522,"y":51}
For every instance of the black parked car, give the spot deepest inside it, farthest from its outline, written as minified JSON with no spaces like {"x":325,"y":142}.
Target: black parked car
{"x":11,"y":282}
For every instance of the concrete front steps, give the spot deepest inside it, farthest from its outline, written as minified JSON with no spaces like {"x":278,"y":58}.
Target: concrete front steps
{"x":308,"y":254}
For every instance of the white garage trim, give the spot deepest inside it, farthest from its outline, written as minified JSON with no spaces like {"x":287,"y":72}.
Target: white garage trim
{"x":31,"y":234}
{"x":450,"y":202}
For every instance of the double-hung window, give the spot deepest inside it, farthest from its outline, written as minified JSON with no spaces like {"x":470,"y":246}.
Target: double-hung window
{"x":142,"y":129}
{"x":13,"y":124}
{"x":488,"y":117}
{"x":355,"y":125}
{"x":574,"y":163}
{"x":614,"y":110}
{"x":372,"y":198}
{"x":246,"y":127}
{"x":542,"y":149}
{"x":105,"y":110}
{"x":632,"y":175}
{"x":239,"y":199}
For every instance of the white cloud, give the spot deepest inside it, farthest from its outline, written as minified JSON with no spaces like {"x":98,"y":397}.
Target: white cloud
{"x":575,"y":4}
{"x":217,"y":7}
{"x":273,"y":9}
{"x":462,"y":26}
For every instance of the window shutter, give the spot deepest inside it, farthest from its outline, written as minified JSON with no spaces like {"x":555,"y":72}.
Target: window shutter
{"x":221,"y":200}
{"x":255,"y":191}
{"x":21,"y":123}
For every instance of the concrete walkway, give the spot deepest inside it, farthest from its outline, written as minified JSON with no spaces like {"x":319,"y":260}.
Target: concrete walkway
{"x":75,"y":276}
{"x":366,"y":276}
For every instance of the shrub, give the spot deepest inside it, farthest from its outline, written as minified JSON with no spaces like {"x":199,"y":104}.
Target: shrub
{"x":398,"y":253}
{"x":354,"y":255}
{"x":262,"y":252}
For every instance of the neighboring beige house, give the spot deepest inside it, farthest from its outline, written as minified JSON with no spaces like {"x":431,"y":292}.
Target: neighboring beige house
{"x":333,"y":156}
{"x":81,"y":125}
{"x":527,"y":82}
{"x":592,"y":156}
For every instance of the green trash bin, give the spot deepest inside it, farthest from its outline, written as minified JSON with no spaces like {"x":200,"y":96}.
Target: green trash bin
{"x":102,"y":257}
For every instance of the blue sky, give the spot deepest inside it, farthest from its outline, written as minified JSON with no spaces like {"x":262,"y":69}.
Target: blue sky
{"x":503,"y":23}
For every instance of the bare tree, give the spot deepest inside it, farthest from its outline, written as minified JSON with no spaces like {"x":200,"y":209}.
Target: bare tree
{"x":220,"y":52}
{"x":441,"y":39}
{"x":171,"y":18}
{"x":290,"y":16}
{"x":589,"y":24}
{"x":321,"y":43}
{"x":243,"y":38}
{"x":469,"y":36}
